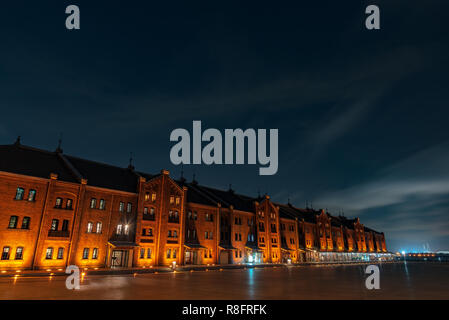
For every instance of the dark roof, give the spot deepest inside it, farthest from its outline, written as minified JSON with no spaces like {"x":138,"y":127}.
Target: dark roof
{"x":228,"y":198}
{"x":106,"y":176}
{"x":195,"y":195}
{"x":33,"y":162}
{"x":289,"y":211}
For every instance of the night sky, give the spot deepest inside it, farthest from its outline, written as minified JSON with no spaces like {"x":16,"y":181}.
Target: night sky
{"x":362,"y":115}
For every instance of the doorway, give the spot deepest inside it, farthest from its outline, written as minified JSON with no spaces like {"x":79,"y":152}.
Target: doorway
{"x":119,"y":258}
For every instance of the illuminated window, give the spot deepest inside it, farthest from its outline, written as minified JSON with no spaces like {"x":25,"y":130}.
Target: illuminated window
{"x":60,"y":254}
{"x":5,"y":253}
{"x":126,"y":232}
{"x":31,"y":195}
{"x":12,"y":222}
{"x":19,"y":253}
{"x":149,"y":253}
{"x":58,"y":203}
{"x":26,"y":222}
{"x":19,"y":193}
{"x":145,"y":210}
{"x":121,"y":206}
{"x":102,"y":204}
{"x":99,"y":227}
{"x":178,"y":200}
{"x":95,"y":253}
{"x":86,"y":253}
{"x":54,"y":224}
{"x":89,"y":227}
{"x":49,"y":254}
{"x":69,"y":204}
{"x":147,"y":196}
{"x":152,"y":211}
{"x":153,"y":197}
{"x":93,"y":203}
{"x":119,"y":229}
{"x":172,"y":199}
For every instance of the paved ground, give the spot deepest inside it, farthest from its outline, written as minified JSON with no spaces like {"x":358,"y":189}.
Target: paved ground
{"x":397,"y":280}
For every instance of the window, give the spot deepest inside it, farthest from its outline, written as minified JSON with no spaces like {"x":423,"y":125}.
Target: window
{"x":93,"y":203}
{"x":49,"y":254}
{"x":65,"y":225}
{"x":126,"y":232}
{"x":99,"y":227}
{"x":121,"y":206}
{"x":19,"y":193}
{"x":153,"y":197}
{"x":152,"y":211}
{"x":168,"y":253}
{"x":175,"y":234}
{"x":119,"y":229}
{"x":19,"y":253}
{"x":145,"y":210}
{"x":89,"y":227}
{"x":60,"y":254}
{"x":169,"y":234}
{"x":54,"y":224}
{"x":149,"y":253}
{"x":69,"y":204}
{"x":147,"y":196}
{"x":95,"y":253}
{"x":5,"y":253}
{"x":174,"y":254}
{"x":195,"y":215}
{"x":102,"y":204}
{"x":144,"y":232}
{"x":12,"y":222}
{"x":31,"y":195}
{"x":129,"y":207}
{"x":86,"y":253}
{"x":172,"y":199}
{"x":142,"y":253}
{"x":150,"y":232}
{"x":58,"y":203}
{"x":26,"y":222}
{"x":177,"y":201}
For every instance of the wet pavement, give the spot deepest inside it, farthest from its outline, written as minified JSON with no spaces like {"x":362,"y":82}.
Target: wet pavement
{"x":401,"y":280}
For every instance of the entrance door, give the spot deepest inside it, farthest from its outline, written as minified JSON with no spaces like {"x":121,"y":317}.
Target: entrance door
{"x":224,"y":257}
{"x":119,"y":258}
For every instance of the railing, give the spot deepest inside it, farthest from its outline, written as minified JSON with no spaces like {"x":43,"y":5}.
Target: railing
{"x":58,"y":233}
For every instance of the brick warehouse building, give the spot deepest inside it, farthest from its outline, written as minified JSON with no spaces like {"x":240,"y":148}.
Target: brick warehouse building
{"x":58,"y":210}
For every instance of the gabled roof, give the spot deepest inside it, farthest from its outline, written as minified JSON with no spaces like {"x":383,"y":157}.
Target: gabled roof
{"x":288,"y":210}
{"x":106,"y":176}
{"x":229,"y":198}
{"x":34,"y":162}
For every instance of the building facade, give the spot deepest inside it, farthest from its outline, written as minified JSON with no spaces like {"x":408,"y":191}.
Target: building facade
{"x":58,"y":210}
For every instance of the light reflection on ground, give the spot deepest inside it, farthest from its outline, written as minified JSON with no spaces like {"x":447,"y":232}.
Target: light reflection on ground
{"x":397,"y":281}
